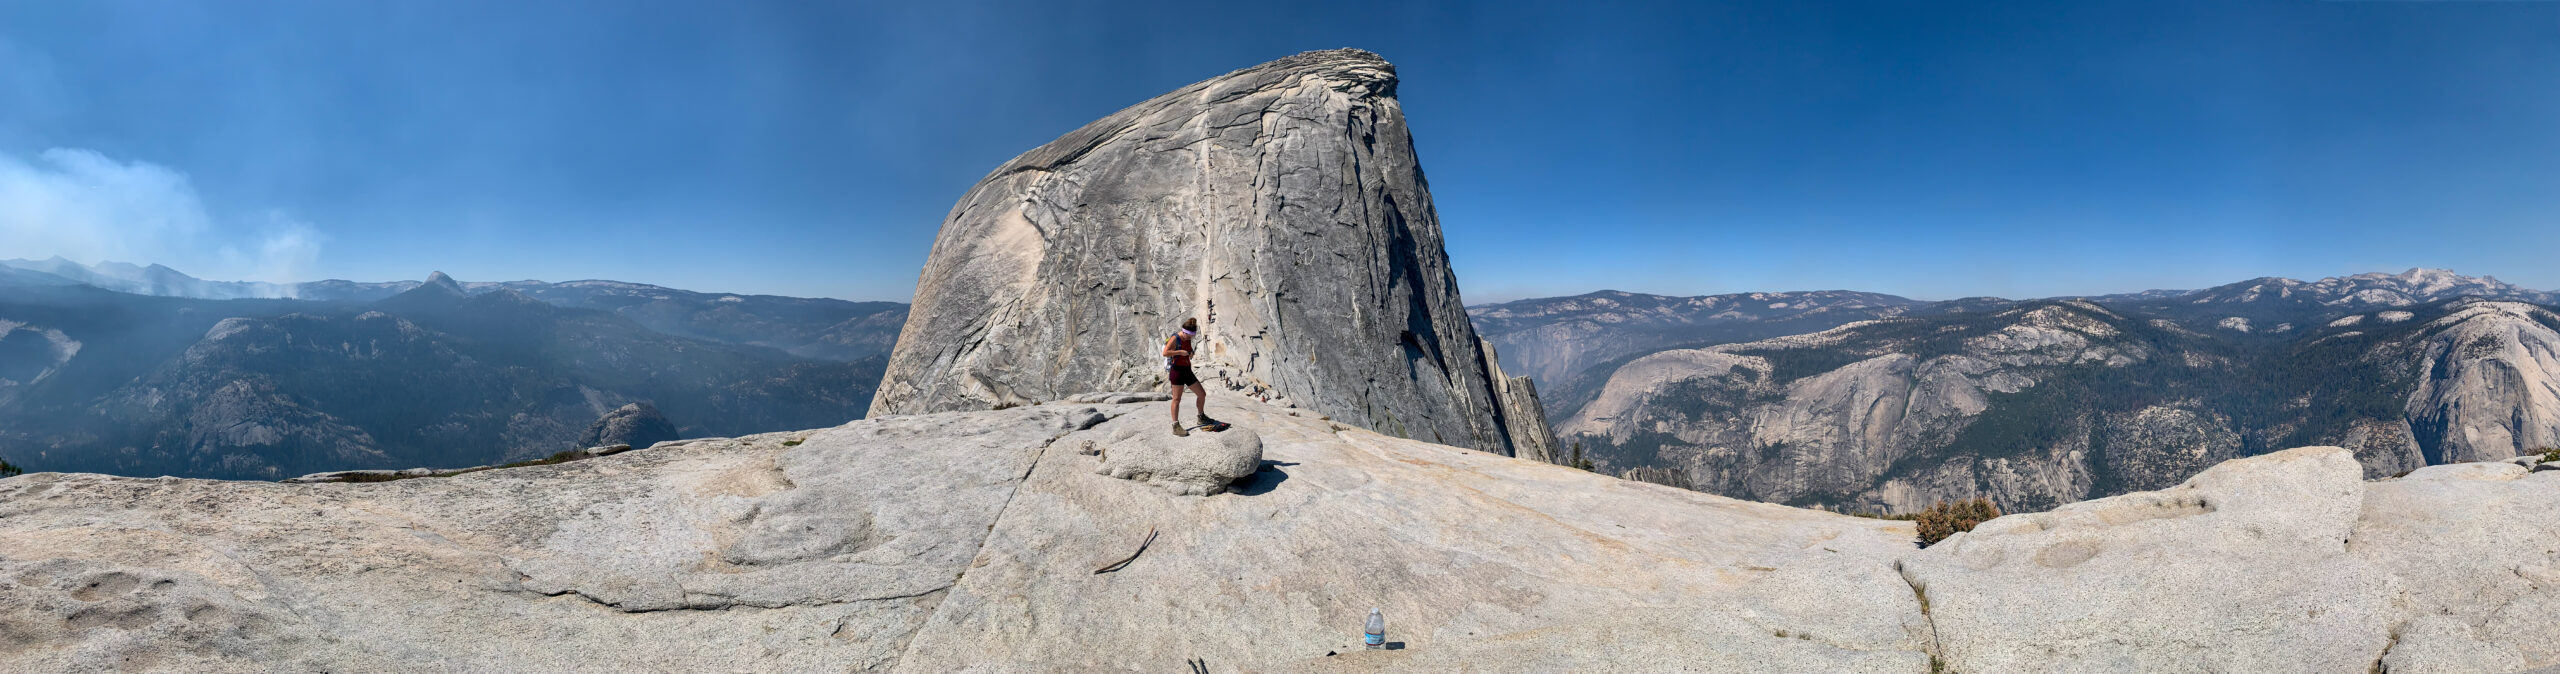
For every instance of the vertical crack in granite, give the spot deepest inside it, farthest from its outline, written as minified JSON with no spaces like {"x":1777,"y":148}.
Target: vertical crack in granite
{"x":993,"y":525}
{"x":1937,"y":652}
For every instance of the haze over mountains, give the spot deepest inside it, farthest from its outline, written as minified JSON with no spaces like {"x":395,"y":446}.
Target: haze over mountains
{"x":392,"y":375}
{"x":812,"y":327}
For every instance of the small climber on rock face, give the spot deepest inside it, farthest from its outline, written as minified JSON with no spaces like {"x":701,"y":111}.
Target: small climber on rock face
{"x":1177,"y":371}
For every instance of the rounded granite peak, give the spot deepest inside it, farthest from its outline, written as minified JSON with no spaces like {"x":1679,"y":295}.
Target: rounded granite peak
{"x":439,"y":279}
{"x":1329,"y":59}
{"x":1358,"y":71}
{"x":1281,"y":204}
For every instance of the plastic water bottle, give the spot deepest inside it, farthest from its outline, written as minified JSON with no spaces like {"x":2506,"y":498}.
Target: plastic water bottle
{"x":1376,"y":636}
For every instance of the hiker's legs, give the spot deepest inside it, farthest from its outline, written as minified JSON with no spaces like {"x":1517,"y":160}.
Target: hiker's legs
{"x":1177,"y":400}
{"x":1200,"y":401}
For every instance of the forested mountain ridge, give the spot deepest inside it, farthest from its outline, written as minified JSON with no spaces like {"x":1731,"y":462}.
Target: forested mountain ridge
{"x":824,"y":328}
{"x":93,"y":380}
{"x":2050,"y":402}
{"x":1570,"y":345}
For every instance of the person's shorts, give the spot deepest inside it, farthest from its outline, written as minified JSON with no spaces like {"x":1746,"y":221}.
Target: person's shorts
{"x":1181,"y":375}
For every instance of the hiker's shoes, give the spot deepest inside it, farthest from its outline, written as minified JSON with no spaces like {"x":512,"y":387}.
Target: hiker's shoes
{"x":1178,"y":432}
{"x":1206,"y":421}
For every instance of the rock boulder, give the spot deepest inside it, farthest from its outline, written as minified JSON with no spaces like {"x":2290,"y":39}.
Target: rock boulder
{"x":1198,"y":464}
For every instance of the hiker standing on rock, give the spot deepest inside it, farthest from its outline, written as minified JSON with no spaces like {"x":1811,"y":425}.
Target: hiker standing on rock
{"x":1177,"y":371}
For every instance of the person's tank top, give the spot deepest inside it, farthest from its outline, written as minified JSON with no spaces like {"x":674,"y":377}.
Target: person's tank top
{"x":1180,"y":341}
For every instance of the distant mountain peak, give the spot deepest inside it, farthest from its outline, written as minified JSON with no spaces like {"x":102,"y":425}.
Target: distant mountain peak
{"x":439,"y":291}
{"x":439,"y":280}
{"x":2415,"y":286}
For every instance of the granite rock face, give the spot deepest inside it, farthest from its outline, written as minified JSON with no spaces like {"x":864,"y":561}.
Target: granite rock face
{"x":709,"y":555}
{"x":2286,"y":562}
{"x":949,"y":542}
{"x":1524,"y":416}
{"x":969,"y":542}
{"x":2489,"y":384}
{"x":2048,"y":403}
{"x":635,"y":424}
{"x":1199,"y":464}
{"x":1281,"y":205}
{"x":1872,"y":430}
{"x":2126,"y":583}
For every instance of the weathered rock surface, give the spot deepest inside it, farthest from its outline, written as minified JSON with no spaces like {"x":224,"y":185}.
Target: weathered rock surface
{"x":714,"y":555}
{"x":964,"y":542}
{"x":1199,"y":464}
{"x":1282,"y":205}
{"x":2489,"y":383}
{"x":932,"y":543}
{"x":1481,"y":563}
{"x":2168,"y":580}
{"x":2287,"y":562}
{"x":1523,"y":415}
{"x":635,"y":424}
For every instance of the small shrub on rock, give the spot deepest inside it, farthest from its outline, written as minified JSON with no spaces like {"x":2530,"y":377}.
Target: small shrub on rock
{"x":7,"y":470}
{"x":1948,"y":517}
{"x":2550,"y":454}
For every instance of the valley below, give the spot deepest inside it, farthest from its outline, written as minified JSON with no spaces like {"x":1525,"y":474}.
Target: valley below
{"x":435,"y":373}
{"x":1895,"y":405}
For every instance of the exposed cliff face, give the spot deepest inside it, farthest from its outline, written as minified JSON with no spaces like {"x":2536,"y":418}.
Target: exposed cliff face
{"x":2489,"y":384}
{"x":1851,"y":417}
{"x":968,"y":542}
{"x":1571,"y":345}
{"x":1524,"y":416}
{"x":1568,"y":343}
{"x":1280,"y":204}
{"x":2050,"y":403}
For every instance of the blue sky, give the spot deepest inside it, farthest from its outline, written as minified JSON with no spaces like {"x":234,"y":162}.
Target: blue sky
{"x":1931,"y":149}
